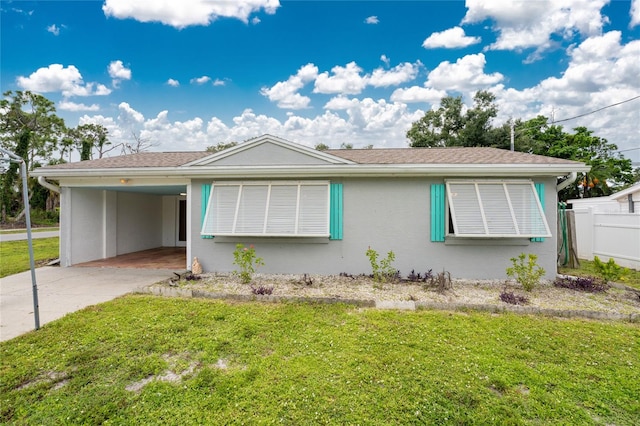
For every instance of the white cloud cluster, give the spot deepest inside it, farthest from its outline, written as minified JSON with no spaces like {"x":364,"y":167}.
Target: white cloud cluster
{"x":517,"y":30}
{"x":347,"y":80}
{"x":201,"y":80}
{"x":173,"y":83}
{"x":452,"y":38}
{"x":285,"y":93}
{"x":66,"y":105}
{"x":466,"y":75}
{"x":54,"y":29}
{"x":184,"y":13}
{"x":372,"y":20}
{"x":118,"y":72}
{"x":66,"y":80}
{"x":634,"y":13}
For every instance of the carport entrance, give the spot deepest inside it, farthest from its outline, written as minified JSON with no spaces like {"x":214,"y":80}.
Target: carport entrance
{"x":157,"y":258}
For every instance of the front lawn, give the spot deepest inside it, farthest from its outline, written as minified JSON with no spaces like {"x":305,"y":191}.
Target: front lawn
{"x":148,"y":360}
{"x":14,"y":255}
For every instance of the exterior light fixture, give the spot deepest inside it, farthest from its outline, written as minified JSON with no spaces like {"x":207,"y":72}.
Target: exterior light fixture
{"x":124,"y":181}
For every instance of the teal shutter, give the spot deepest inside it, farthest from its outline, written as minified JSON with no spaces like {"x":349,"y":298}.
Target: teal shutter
{"x":206,"y":191}
{"x":540,"y":191}
{"x":335,"y":211}
{"x":438,"y":212}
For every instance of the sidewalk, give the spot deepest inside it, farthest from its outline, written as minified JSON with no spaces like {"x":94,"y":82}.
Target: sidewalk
{"x":23,"y":236}
{"x":65,"y":290}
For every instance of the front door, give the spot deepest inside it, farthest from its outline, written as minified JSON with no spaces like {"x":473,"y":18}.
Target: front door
{"x":182,"y":224}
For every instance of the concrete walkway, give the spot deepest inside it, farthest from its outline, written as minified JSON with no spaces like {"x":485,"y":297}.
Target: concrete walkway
{"x":23,"y":236}
{"x":65,"y":290}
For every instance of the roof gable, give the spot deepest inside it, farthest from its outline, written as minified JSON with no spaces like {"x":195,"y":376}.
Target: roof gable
{"x":268,"y":150}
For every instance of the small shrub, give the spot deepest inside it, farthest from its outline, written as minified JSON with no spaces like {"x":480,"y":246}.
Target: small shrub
{"x":418,"y":278}
{"x":587,"y":284}
{"x":261,"y":290}
{"x":513,"y":299}
{"x":383,"y":271}
{"x":440,"y":282}
{"x":526,"y":271}
{"x":609,"y":271}
{"x":247,"y":261}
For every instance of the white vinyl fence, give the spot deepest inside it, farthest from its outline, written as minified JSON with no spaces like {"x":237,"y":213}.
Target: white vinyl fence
{"x":608,"y":235}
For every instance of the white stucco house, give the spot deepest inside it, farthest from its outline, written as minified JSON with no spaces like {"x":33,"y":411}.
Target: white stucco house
{"x":463,"y":210}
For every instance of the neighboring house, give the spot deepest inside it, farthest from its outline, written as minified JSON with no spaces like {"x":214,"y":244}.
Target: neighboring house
{"x":463,"y":210}
{"x":625,"y":201}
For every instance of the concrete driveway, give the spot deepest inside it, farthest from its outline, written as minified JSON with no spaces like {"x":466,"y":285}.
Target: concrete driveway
{"x":65,"y":290}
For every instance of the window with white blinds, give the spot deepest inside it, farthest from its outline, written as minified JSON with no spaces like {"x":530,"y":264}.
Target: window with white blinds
{"x":292,"y":209}
{"x":496,"y":208}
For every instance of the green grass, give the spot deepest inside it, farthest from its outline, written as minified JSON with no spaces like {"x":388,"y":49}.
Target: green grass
{"x":252,"y":363}
{"x":587,"y":269}
{"x":14,"y":255}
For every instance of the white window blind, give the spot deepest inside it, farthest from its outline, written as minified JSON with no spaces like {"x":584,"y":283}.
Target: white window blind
{"x":268,"y":209}
{"x":495,"y":208}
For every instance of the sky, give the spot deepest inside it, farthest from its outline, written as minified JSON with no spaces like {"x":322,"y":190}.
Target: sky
{"x":184,"y":75}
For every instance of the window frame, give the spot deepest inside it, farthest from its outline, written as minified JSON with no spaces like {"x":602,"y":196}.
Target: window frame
{"x":300,"y":184}
{"x":452,"y":217}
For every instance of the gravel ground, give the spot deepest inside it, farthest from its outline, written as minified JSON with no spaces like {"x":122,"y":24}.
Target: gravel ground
{"x":545,"y":296}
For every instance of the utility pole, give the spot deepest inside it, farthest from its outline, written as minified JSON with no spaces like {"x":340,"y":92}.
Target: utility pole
{"x":513,"y":135}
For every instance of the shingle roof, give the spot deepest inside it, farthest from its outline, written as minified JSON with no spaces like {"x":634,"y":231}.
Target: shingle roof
{"x":141,"y":159}
{"x":453,"y":156}
{"x":457,"y":155}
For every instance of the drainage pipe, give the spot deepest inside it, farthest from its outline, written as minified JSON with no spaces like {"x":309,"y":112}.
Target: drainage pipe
{"x":42,"y":181}
{"x":568,"y":181}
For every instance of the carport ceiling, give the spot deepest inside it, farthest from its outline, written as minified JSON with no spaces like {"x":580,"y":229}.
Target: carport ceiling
{"x":155,"y":190}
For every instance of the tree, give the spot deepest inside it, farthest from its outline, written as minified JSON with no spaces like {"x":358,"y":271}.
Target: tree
{"x":30,"y":128}
{"x":448,"y":126}
{"x":609,"y":171}
{"x":322,"y":147}
{"x":85,"y":138}
{"x":221,"y":146}
{"x":345,"y":145}
{"x":139,"y":144}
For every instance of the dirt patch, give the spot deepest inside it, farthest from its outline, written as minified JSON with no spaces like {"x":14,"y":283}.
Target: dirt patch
{"x":619,"y":301}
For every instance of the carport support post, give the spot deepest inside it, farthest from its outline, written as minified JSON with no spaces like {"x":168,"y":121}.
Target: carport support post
{"x":13,"y":158}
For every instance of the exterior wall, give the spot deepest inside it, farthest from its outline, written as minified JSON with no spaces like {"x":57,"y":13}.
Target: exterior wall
{"x":268,"y":154}
{"x":384,"y":214}
{"x":139,"y":222}
{"x":608,"y":235}
{"x":81,"y":225}
{"x":169,"y":221}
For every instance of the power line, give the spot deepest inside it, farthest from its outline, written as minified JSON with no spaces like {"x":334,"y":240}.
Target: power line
{"x":594,"y":111}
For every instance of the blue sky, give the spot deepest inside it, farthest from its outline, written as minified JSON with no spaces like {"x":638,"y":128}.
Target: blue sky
{"x":188,"y":74}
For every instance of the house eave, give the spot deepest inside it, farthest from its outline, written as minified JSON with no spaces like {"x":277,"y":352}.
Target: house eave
{"x":329,"y":170}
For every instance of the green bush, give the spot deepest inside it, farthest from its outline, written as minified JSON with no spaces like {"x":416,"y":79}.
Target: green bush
{"x":526,"y":271}
{"x":383,"y":271}
{"x":609,"y":271}
{"x":247,"y":261}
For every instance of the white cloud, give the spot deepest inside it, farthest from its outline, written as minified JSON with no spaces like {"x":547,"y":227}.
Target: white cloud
{"x":517,"y":30}
{"x":219,"y":82}
{"x":118,"y":72}
{"x":53,"y":29}
{"x":385,"y":59}
{"x":285,"y":93}
{"x":395,"y":76}
{"x":65,"y":105}
{"x":129,"y":115}
{"x":345,"y":80}
{"x":184,"y":13}
{"x":255,"y":20}
{"x":416,"y":94}
{"x":372,"y":20}
{"x":173,"y":83}
{"x":466,"y":75}
{"x":634,"y":13}
{"x":201,"y":80}
{"x":451,"y":38}
{"x":57,"y":78}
